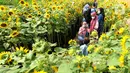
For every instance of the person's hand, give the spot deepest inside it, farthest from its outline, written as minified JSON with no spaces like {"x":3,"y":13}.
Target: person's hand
{"x":88,"y":30}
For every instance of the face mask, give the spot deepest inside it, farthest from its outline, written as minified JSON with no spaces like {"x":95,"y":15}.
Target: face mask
{"x":98,"y":12}
{"x":93,"y":17}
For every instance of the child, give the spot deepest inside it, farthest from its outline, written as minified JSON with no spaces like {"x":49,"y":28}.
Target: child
{"x":94,"y":6}
{"x":83,"y":47}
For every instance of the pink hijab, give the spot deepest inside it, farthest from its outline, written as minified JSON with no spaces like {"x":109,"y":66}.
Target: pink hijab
{"x":93,"y":21}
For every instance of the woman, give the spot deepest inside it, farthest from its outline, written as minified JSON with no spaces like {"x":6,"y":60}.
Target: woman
{"x":87,"y":14}
{"x":101,"y":16}
{"x":94,"y":22}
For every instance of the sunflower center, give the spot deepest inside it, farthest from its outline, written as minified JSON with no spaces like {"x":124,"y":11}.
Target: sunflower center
{"x":36,"y":8}
{"x":2,"y":8}
{"x":14,"y":33}
{"x":3,"y":24}
{"x":39,"y":12}
{"x":22,"y":2}
{"x":30,"y":16}
{"x":47,"y":15}
{"x":10,"y":13}
{"x":61,"y":7}
{"x":14,"y":28}
{"x":34,"y":4}
{"x":55,"y":2}
{"x":26,"y":4}
{"x":25,"y":13}
{"x":53,"y":8}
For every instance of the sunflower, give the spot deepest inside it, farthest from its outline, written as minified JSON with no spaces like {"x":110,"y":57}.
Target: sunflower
{"x":126,"y":5}
{"x":14,"y":33}
{"x":26,"y":4}
{"x":55,"y":2}
{"x":39,"y":13}
{"x":4,"y":17}
{"x":3,"y":25}
{"x":94,"y":33}
{"x":29,"y":16}
{"x":90,"y":47}
{"x":39,"y":71}
{"x":117,"y":33}
{"x":47,"y":15}
{"x":3,"y":53}
{"x":72,"y":42}
{"x":78,"y":58}
{"x":36,"y":7}
{"x":22,"y":2}
{"x":47,"y":10}
{"x":113,"y":26}
{"x":10,"y":13}
{"x":112,"y":68}
{"x":108,"y":6}
{"x":129,"y":14}
{"x":17,"y":20}
{"x":53,"y":7}
{"x":14,"y":28}
{"x":55,"y":68}
{"x":97,"y":49}
{"x":70,"y":51}
{"x":34,"y":2}
{"x":68,"y":14}
{"x":9,"y":19}
{"x":50,"y":4}
{"x":22,"y":49}
{"x":61,"y":7}
{"x":9,"y":60}
{"x":58,"y":7}
{"x":94,"y":68}
{"x":111,"y":4}
{"x":119,"y":16}
{"x":103,"y":36}
{"x":121,"y":30}
{"x":121,"y":60}
{"x":25,"y":13}
{"x":124,"y":51}
{"x":123,"y":41}
{"x":2,"y":8}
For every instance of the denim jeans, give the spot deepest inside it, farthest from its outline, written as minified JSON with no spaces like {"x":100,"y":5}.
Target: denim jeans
{"x":81,"y":38}
{"x":83,"y":49}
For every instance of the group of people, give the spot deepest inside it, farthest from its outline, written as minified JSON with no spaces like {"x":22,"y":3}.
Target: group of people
{"x":93,"y":20}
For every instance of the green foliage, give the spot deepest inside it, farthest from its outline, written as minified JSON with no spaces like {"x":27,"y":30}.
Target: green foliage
{"x":109,"y":54}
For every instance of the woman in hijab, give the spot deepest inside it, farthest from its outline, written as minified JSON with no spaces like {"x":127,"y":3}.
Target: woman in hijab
{"x":87,"y":14}
{"x":101,"y":16}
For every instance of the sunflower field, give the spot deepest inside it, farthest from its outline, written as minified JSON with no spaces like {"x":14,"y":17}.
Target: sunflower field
{"x":27,"y":29}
